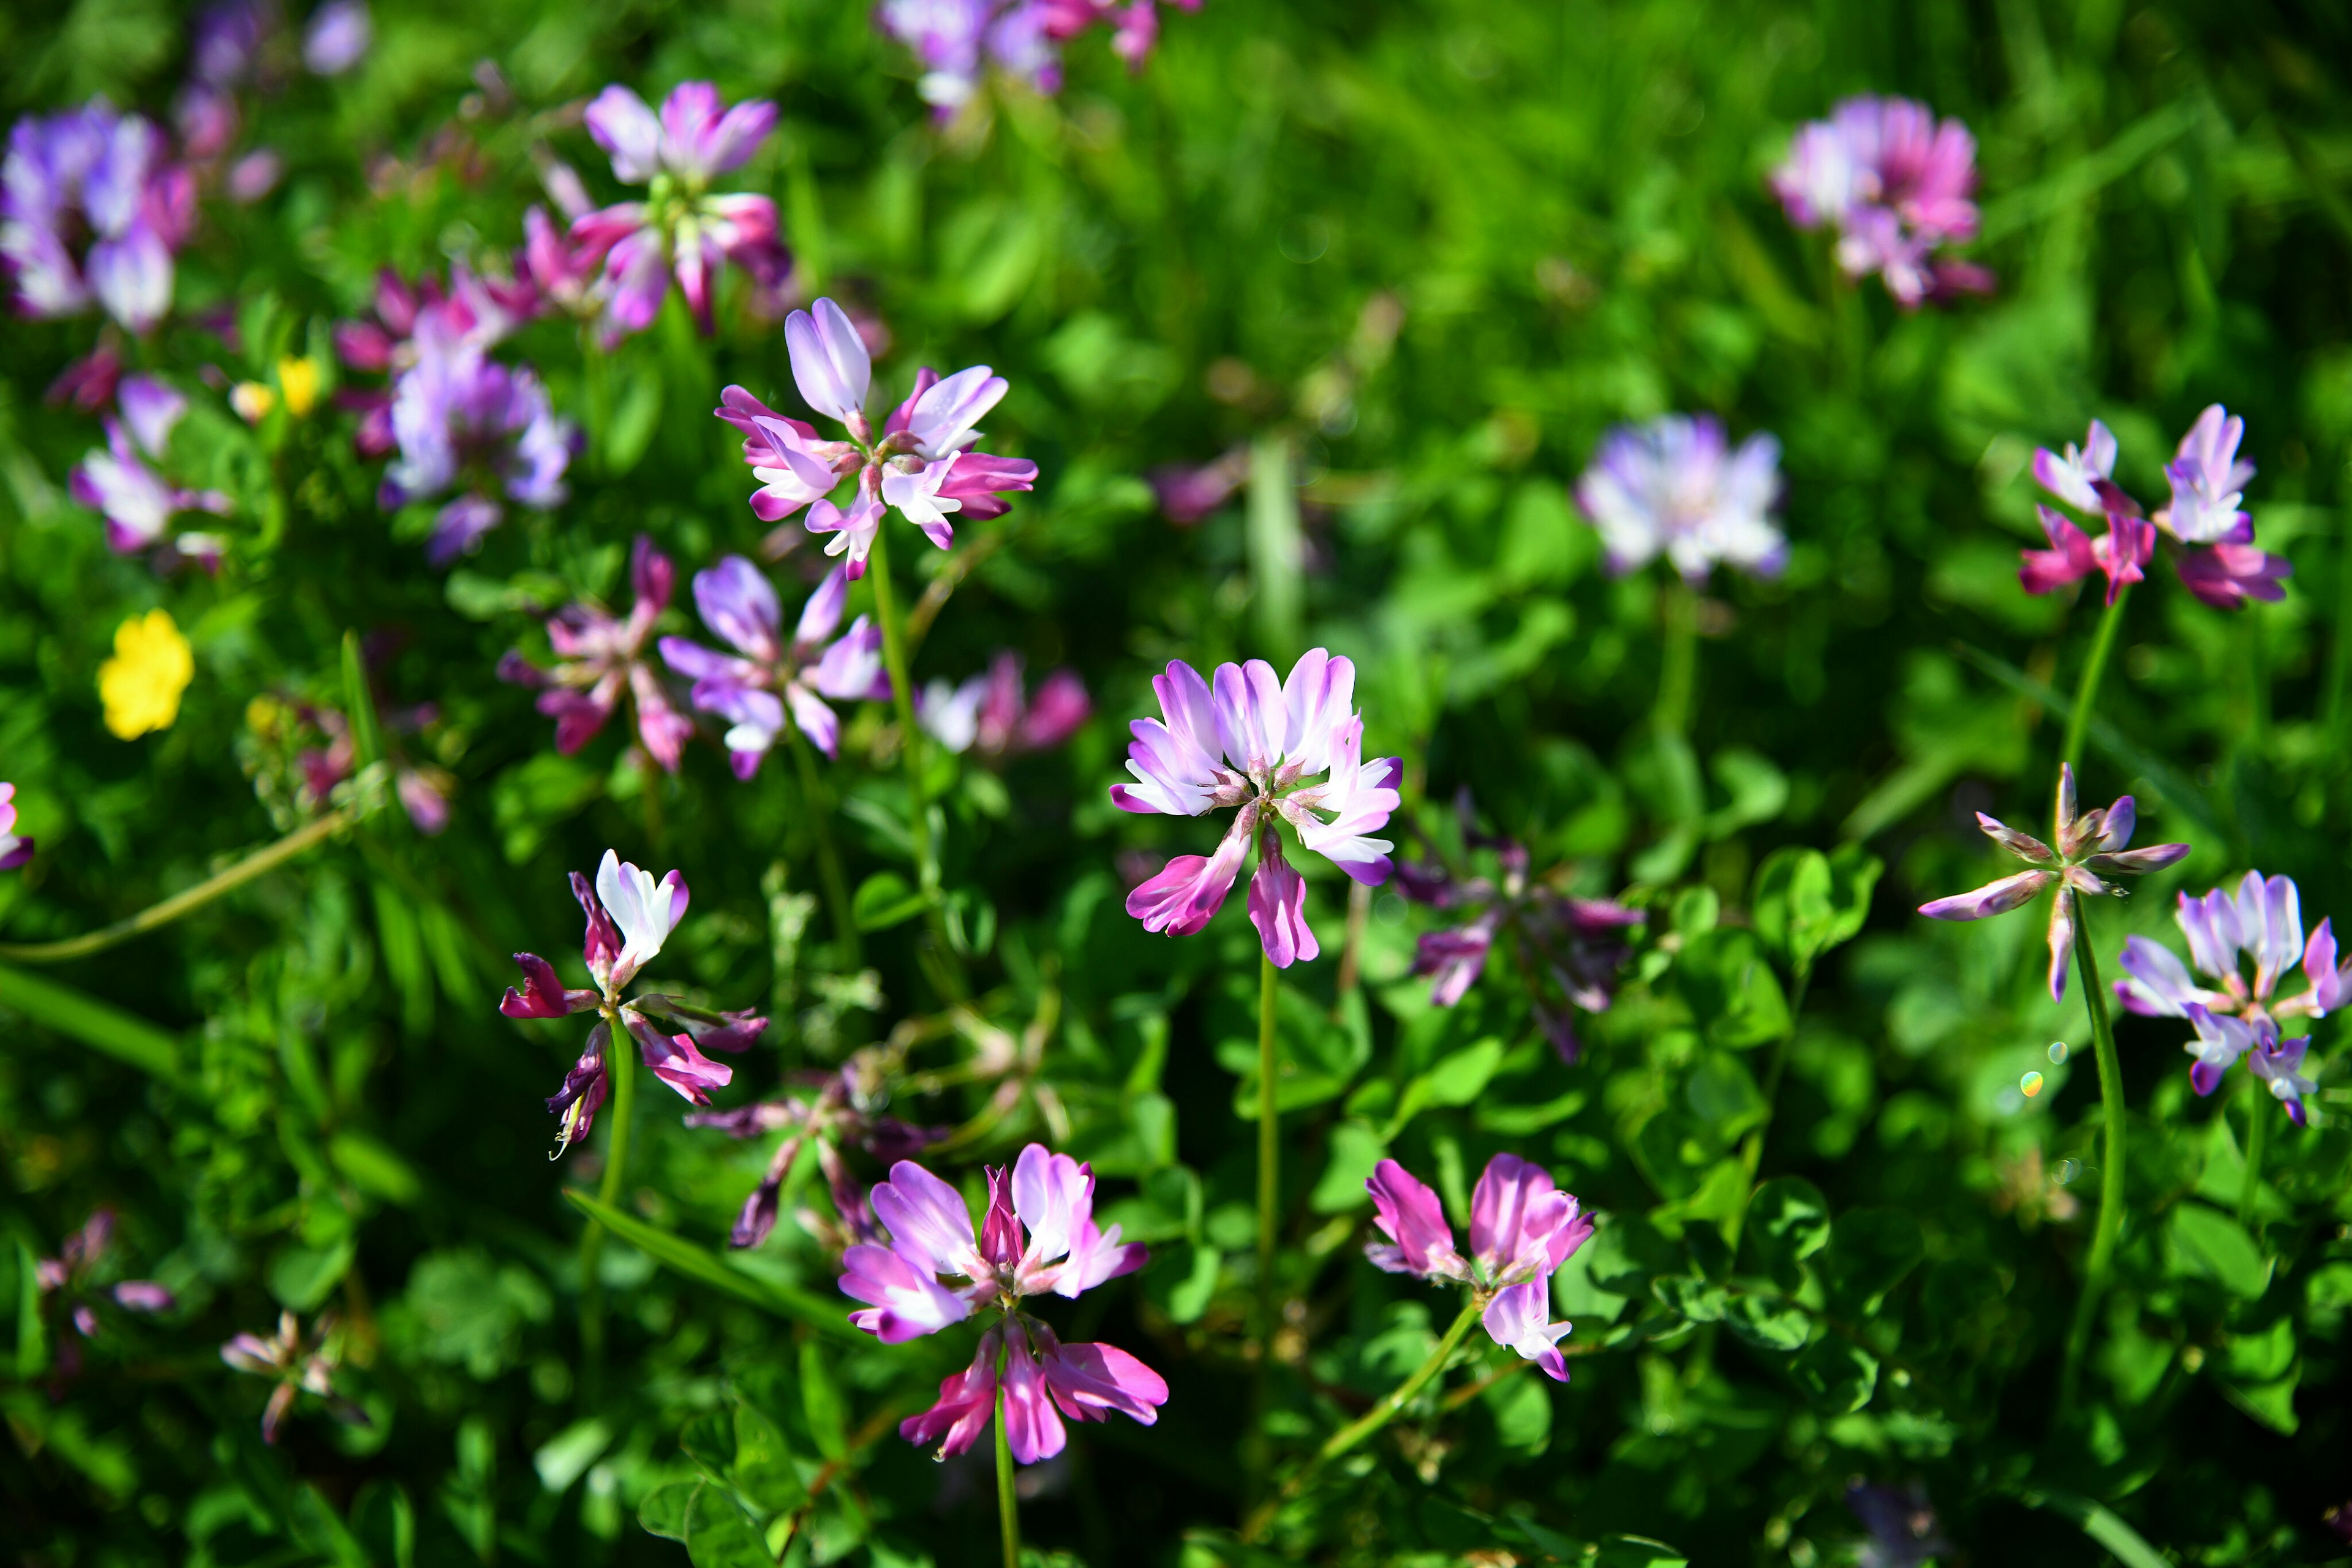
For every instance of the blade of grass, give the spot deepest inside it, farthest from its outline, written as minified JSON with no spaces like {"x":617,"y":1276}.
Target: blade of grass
{"x":698,"y":1263}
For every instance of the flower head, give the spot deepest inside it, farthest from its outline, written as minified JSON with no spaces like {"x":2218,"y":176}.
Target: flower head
{"x":14,"y":851}
{"x":138,"y":503}
{"x":140,"y":685}
{"x":298,"y":1365}
{"x":91,"y":210}
{"x":465,"y":422}
{"x":956,"y":41}
{"x":1258,"y":744}
{"x":1522,"y":1230}
{"x":681,"y":226}
{"x":630,"y":916}
{"x":2089,"y":846}
{"x":337,"y":38}
{"x":921,"y":463}
{"x":75,"y":1272}
{"x":990,"y":714}
{"x":1673,"y":485}
{"x":770,"y":679}
{"x":1896,"y":184}
{"x":603,"y":659}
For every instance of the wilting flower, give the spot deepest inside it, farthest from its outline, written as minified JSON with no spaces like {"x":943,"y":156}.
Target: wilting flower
{"x":138,"y":503}
{"x":990,"y":714}
{"x":1895,"y":184}
{"x":466,"y":423}
{"x":2263,"y":922}
{"x":1568,"y":945}
{"x":1257,"y":744}
{"x":1039,"y":1236}
{"x":768,"y":679}
{"x":14,"y":851}
{"x":680,"y":226}
{"x":1902,"y":1525}
{"x":630,"y":916}
{"x":99,"y":181}
{"x":1521,"y":1230}
{"x":603,"y":658}
{"x":956,"y":41}
{"x":922,"y":464}
{"x":1673,"y":485}
{"x":141,"y":685}
{"x":338,"y":36}
{"x":2088,"y":844}
{"x":2210,"y":540}
{"x":298,"y":1365}
{"x":72,"y":1274}
{"x":844,"y":1112}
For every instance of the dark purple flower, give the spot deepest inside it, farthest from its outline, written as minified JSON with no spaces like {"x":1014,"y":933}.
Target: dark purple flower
{"x":604,"y":658}
{"x":768,"y":682}
{"x":91,"y":210}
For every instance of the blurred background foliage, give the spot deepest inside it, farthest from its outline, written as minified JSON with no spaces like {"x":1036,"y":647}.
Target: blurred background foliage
{"x":1399,"y":266}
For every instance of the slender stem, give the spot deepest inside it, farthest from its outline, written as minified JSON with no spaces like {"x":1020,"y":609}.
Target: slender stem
{"x":1008,"y":1502}
{"x":2339,"y":660}
{"x":2086,"y":693}
{"x":621,"y":1071}
{"x":1351,"y":952}
{"x":1751,"y":1148}
{"x":266,"y":858}
{"x":2258,"y":1128}
{"x":1270,"y":1155}
{"x":2111,"y":1177}
{"x":1369,"y":1422}
{"x":1678,"y":669}
{"x":911,"y":752}
{"x":818,"y":802}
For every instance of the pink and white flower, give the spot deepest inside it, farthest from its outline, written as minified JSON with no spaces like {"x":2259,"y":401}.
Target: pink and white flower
{"x":768,"y":679}
{"x":15,"y":850}
{"x":122,"y":483}
{"x":603,"y":659}
{"x":1676,"y":486}
{"x":1896,"y":184}
{"x":992,"y":715}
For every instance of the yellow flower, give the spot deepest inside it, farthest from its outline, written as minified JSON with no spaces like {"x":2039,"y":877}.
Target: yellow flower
{"x":141,"y":684}
{"x":298,"y":382}
{"x":252,"y":401}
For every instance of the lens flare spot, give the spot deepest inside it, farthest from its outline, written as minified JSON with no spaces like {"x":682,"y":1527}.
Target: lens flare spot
{"x":2057,"y":1052}
{"x":2030,"y":1085}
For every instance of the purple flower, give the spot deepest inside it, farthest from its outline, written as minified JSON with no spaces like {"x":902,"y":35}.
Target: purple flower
{"x":338,"y":36}
{"x":1039,"y":1236}
{"x":138,"y":503}
{"x":1566,"y":944}
{"x":1902,"y":1525}
{"x":1673,"y":485}
{"x":1186,"y":493}
{"x":465,"y":422}
{"x":72,"y":1273}
{"x":2088,"y":844}
{"x":1895,"y":184}
{"x":991,"y":714}
{"x":1521,"y":1230}
{"x":14,"y":851}
{"x":96,"y":182}
{"x":922,"y":463}
{"x":298,"y":1365}
{"x":767,"y":679}
{"x":680,"y":227}
{"x":956,"y":41}
{"x":1257,"y":744}
{"x":630,"y":916}
{"x":603,"y":659}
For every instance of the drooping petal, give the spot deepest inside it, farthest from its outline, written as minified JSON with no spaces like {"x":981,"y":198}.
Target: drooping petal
{"x":543,"y":996}
{"x":1278,"y":906}
{"x":1516,"y":1319}
{"x":966,"y":1404}
{"x":1090,"y":1381}
{"x":1033,"y":1427}
{"x":1407,"y":1212}
{"x":2061,"y":940}
{"x":677,"y":1060}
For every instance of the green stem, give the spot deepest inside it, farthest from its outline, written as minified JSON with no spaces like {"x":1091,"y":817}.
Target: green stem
{"x":1679,"y":668}
{"x":2258,"y":1127}
{"x":1751,"y":1148}
{"x":266,"y":858}
{"x":2111,"y":1178}
{"x":818,"y":802}
{"x":1369,"y":1422}
{"x":910,"y":750}
{"x":1008,"y":1502}
{"x":1270,"y":1155}
{"x":622,"y":1070}
{"x":2339,"y":661}
{"x":2086,"y":693}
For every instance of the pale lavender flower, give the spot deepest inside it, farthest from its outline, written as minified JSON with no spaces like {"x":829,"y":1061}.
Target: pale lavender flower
{"x":91,"y":210}
{"x":991,"y":714}
{"x":957,"y":41}
{"x":2088,"y":844}
{"x":15,"y":850}
{"x":681,"y":226}
{"x":338,"y":36}
{"x":465,"y":422}
{"x":767,"y":680}
{"x":1039,"y":1238}
{"x":1257,"y":744}
{"x":603,"y":658}
{"x":298,"y":1365}
{"x":121,"y":482}
{"x":1522,"y":1230}
{"x":922,"y":463}
{"x":1896,"y":184}
{"x":1674,"y":486}
{"x":630,"y":916}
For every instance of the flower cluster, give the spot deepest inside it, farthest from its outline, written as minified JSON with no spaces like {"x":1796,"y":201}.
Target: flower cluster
{"x":92,"y":210}
{"x":1522,"y":1228}
{"x":992,"y":715}
{"x":121,"y":483}
{"x":1570,"y":945}
{"x":767,"y":679}
{"x":297,"y":1365}
{"x":14,"y":849}
{"x":1674,"y":484}
{"x":681,"y":228}
{"x":1258,"y":744}
{"x":1896,"y":184}
{"x":602,"y":658}
{"x":2263,"y":922}
{"x":1039,"y":1238}
{"x":630,"y":915}
{"x":922,"y":464}
{"x":2088,"y":844}
{"x":2211,"y":539}
{"x":955,"y":41}
{"x":474,"y":310}
{"x":72,"y":1275}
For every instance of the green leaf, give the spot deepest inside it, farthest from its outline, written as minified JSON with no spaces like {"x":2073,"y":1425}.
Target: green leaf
{"x":1521,"y":1407}
{"x":1837,"y":1376}
{"x":821,"y":1401}
{"x":119,"y":1034}
{"x":662,"y":1511}
{"x":1788,"y":1222}
{"x":1691,"y":1297}
{"x":1636,"y":1552}
{"x":374,"y":1169}
{"x":684,"y":1257}
{"x":565,"y":1458}
{"x":359,"y":703}
{"x":1355,"y":1150}
{"x":764,"y":1475}
{"x":1521,"y":1120}
{"x":1731,"y":989}
{"x":302,"y":1277}
{"x":1870,"y":1251}
{"x":883,"y":900}
{"x":2204,"y":1243}
{"x":1763,"y":1321}
{"x":1723,"y":1092}
{"x":708,"y":1441}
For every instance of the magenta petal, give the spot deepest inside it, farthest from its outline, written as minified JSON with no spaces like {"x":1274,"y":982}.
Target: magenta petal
{"x":1278,"y":906}
{"x":967,"y":1400}
{"x":1408,"y":1213}
{"x":1033,"y":1427}
{"x":1992,"y":899}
